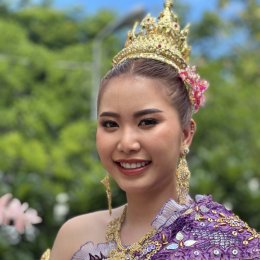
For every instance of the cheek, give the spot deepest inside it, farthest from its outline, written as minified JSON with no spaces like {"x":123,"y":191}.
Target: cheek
{"x":100,"y":143}
{"x":168,"y":135}
{"x":168,"y":143}
{"x":104,"y":144}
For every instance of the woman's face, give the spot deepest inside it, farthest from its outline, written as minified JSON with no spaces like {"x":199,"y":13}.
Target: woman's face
{"x":139,"y":136}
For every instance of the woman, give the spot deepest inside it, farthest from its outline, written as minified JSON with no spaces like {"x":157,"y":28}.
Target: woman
{"x":144,"y":131}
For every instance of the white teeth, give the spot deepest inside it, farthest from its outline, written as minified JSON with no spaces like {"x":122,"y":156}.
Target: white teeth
{"x":138,"y":165}
{"x":132,"y":165}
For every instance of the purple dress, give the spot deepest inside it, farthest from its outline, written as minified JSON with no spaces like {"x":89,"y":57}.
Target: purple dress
{"x":202,"y":230}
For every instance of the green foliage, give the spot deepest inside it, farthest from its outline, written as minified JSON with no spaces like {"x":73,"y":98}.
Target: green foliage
{"x":48,"y":27}
{"x":93,"y":24}
{"x":47,"y":144}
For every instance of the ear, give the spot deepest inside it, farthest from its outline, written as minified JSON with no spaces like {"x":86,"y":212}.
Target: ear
{"x":188,"y":133}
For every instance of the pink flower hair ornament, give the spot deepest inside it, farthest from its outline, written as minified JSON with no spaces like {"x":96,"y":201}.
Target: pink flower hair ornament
{"x":195,"y":86}
{"x":11,"y":209}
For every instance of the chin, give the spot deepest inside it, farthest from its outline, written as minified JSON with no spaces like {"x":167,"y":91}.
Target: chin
{"x":136,"y":187}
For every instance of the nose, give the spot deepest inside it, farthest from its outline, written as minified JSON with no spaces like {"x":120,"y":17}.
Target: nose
{"x":128,"y":142}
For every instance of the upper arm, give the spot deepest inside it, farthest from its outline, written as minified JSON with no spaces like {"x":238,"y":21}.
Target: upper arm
{"x":76,"y":232}
{"x":64,"y":244}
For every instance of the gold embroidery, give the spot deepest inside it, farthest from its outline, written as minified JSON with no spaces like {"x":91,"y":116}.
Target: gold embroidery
{"x":46,"y":255}
{"x":121,"y":252}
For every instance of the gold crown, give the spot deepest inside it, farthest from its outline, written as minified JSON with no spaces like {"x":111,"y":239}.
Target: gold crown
{"x":162,"y":40}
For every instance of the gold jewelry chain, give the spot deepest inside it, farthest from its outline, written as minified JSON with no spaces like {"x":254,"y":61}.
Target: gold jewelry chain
{"x":113,"y":234}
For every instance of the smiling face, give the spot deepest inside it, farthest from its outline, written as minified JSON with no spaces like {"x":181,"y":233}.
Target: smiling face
{"x":139,"y":134}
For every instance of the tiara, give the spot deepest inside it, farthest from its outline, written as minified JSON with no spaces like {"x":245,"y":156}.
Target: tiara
{"x":162,"y":39}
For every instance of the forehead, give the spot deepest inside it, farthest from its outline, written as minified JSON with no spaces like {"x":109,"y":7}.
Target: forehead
{"x":133,"y":92}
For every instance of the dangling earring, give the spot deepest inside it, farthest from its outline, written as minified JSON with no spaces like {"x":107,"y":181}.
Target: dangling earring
{"x":106,"y":183}
{"x":183,"y":177}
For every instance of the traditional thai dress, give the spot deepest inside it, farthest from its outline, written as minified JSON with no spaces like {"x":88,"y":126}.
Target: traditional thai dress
{"x":203,"y":229}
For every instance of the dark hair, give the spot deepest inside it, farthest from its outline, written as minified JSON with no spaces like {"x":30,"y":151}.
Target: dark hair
{"x":150,"y":68}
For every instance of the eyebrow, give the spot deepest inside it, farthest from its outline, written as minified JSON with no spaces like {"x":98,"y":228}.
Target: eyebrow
{"x":147,"y":112}
{"x":112,"y":114}
{"x":136,"y":114}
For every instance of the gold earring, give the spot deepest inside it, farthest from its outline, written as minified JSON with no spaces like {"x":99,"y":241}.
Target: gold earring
{"x":106,"y":183}
{"x":183,"y":177}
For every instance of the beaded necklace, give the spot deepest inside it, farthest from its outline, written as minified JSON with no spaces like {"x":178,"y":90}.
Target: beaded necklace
{"x":122,"y":252}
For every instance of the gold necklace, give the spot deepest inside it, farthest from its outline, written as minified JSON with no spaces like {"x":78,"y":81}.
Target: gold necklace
{"x":113,"y":234}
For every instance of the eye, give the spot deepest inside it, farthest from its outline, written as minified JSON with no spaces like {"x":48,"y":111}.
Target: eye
{"x":109,"y":124}
{"x":148,"y":122}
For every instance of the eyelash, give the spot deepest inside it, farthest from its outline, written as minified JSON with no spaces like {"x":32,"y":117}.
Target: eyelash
{"x":146,"y":123}
{"x":109,"y":124}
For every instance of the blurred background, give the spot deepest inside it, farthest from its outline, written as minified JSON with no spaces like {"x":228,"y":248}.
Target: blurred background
{"x":52,"y":55}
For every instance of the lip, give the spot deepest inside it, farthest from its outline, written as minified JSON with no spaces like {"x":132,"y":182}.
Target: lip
{"x":132,"y":172}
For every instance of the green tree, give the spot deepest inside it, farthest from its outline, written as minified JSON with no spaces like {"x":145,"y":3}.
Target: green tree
{"x":47,"y":144}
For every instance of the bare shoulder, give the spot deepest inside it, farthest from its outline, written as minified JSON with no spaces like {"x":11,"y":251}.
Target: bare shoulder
{"x":80,"y":230}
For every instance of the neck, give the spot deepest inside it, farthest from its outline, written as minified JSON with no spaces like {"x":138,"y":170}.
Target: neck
{"x":141,"y":210}
{"x":143,"y":207}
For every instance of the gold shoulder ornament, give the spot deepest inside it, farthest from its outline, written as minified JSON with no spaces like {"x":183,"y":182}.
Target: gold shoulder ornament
{"x":46,"y":255}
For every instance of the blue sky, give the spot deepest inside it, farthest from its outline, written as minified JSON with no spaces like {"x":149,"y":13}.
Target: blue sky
{"x":122,"y":7}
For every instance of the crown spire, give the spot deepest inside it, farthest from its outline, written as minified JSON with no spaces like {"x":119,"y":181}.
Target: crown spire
{"x":168,"y":4}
